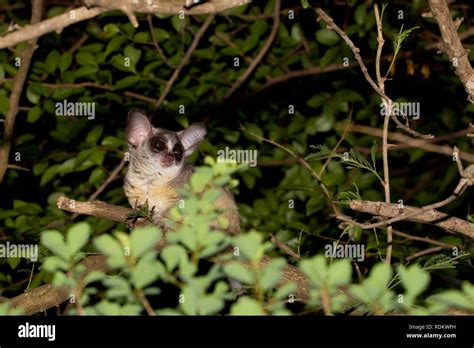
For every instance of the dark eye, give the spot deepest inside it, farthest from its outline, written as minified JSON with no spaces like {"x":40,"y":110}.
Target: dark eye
{"x":158,"y":145}
{"x":178,"y":151}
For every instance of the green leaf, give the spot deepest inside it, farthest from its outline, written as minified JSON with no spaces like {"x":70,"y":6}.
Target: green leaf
{"x":32,"y":97}
{"x":94,"y":276}
{"x":65,"y":61}
{"x":161,"y":34}
{"x":112,"y":142}
{"x":54,"y":241}
{"x":452,"y":298}
{"x":178,"y":23}
{"x":250,"y":42}
{"x":127,"y":82}
{"x":330,"y":56}
{"x":49,"y":174}
{"x":318,"y":100}
{"x":305,"y":4}
{"x":246,"y":306}
{"x":67,"y":166}
{"x":272,"y":273}
{"x":54,"y":263}
{"x":4,"y":104}
{"x":327,"y":37}
{"x":142,"y":36}
{"x":86,"y":58}
{"x":109,"y":246}
{"x":78,"y":236}
{"x":414,"y":279}
{"x":52,"y":61}
{"x":340,"y":273}
{"x":97,"y":176}
{"x":134,"y":54}
{"x":201,"y":178}
{"x":258,"y":28}
{"x":86,"y":71}
{"x":250,"y":245}
{"x":144,"y":273}
{"x":94,"y":134}
{"x":380,"y":275}
{"x":114,"y":44}
{"x":173,"y":255}
{"x":315,"y":204}
{"x":111,"y":29}
{"x":296,"y":32}
{"x":34,"y":114}
{"x":13,"y":262}
{"x":360,"y":14}
{"x":284,"y":291}
{"x":238,"y":272}
{"x":325,"y":122}
{"x":39,"y":168}
{"x":144,"y":239}
{"x":316,"y":270}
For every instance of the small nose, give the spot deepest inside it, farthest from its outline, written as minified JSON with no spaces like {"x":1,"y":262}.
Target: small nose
{"x":169,"y":156}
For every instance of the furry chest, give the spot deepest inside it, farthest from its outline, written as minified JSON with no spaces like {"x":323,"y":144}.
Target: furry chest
{"x":161,"y":197}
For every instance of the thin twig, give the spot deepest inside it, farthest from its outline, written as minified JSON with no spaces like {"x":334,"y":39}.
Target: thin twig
{"x":113,"y":175}
{"x":424,"y":252}
{"x":141,"y":296}
{"x":79,"y":43}
{"x":134,"y":95}
{"x":155,"y":42}
{"x":303,"y":162}
{"x":185,"y":59}
{"x":283,"y":247}
{"x":423,"y":239}
{"x":332,"y":25}
{"x":261,"y":54}
{"x":325,"y":301}
{"x":334,"y":150}
{"x":14,"y":166}
{"x":312,"y":71}
{"x":388,"y":105}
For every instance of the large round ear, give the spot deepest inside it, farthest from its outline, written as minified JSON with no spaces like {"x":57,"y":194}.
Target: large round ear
{"x":138,"y":127}
{"x":191,"y":137}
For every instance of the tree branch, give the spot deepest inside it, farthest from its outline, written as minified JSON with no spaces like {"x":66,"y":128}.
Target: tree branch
{"x":47,"y":296}
{"x":407,"y":141}
{"x":386,"y":122}
{"x":57,"y":23}
{"x":452,"y":45}
{"x":79,"y":14}
{"x":19,"y":81}
{"x":442,"y":220}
